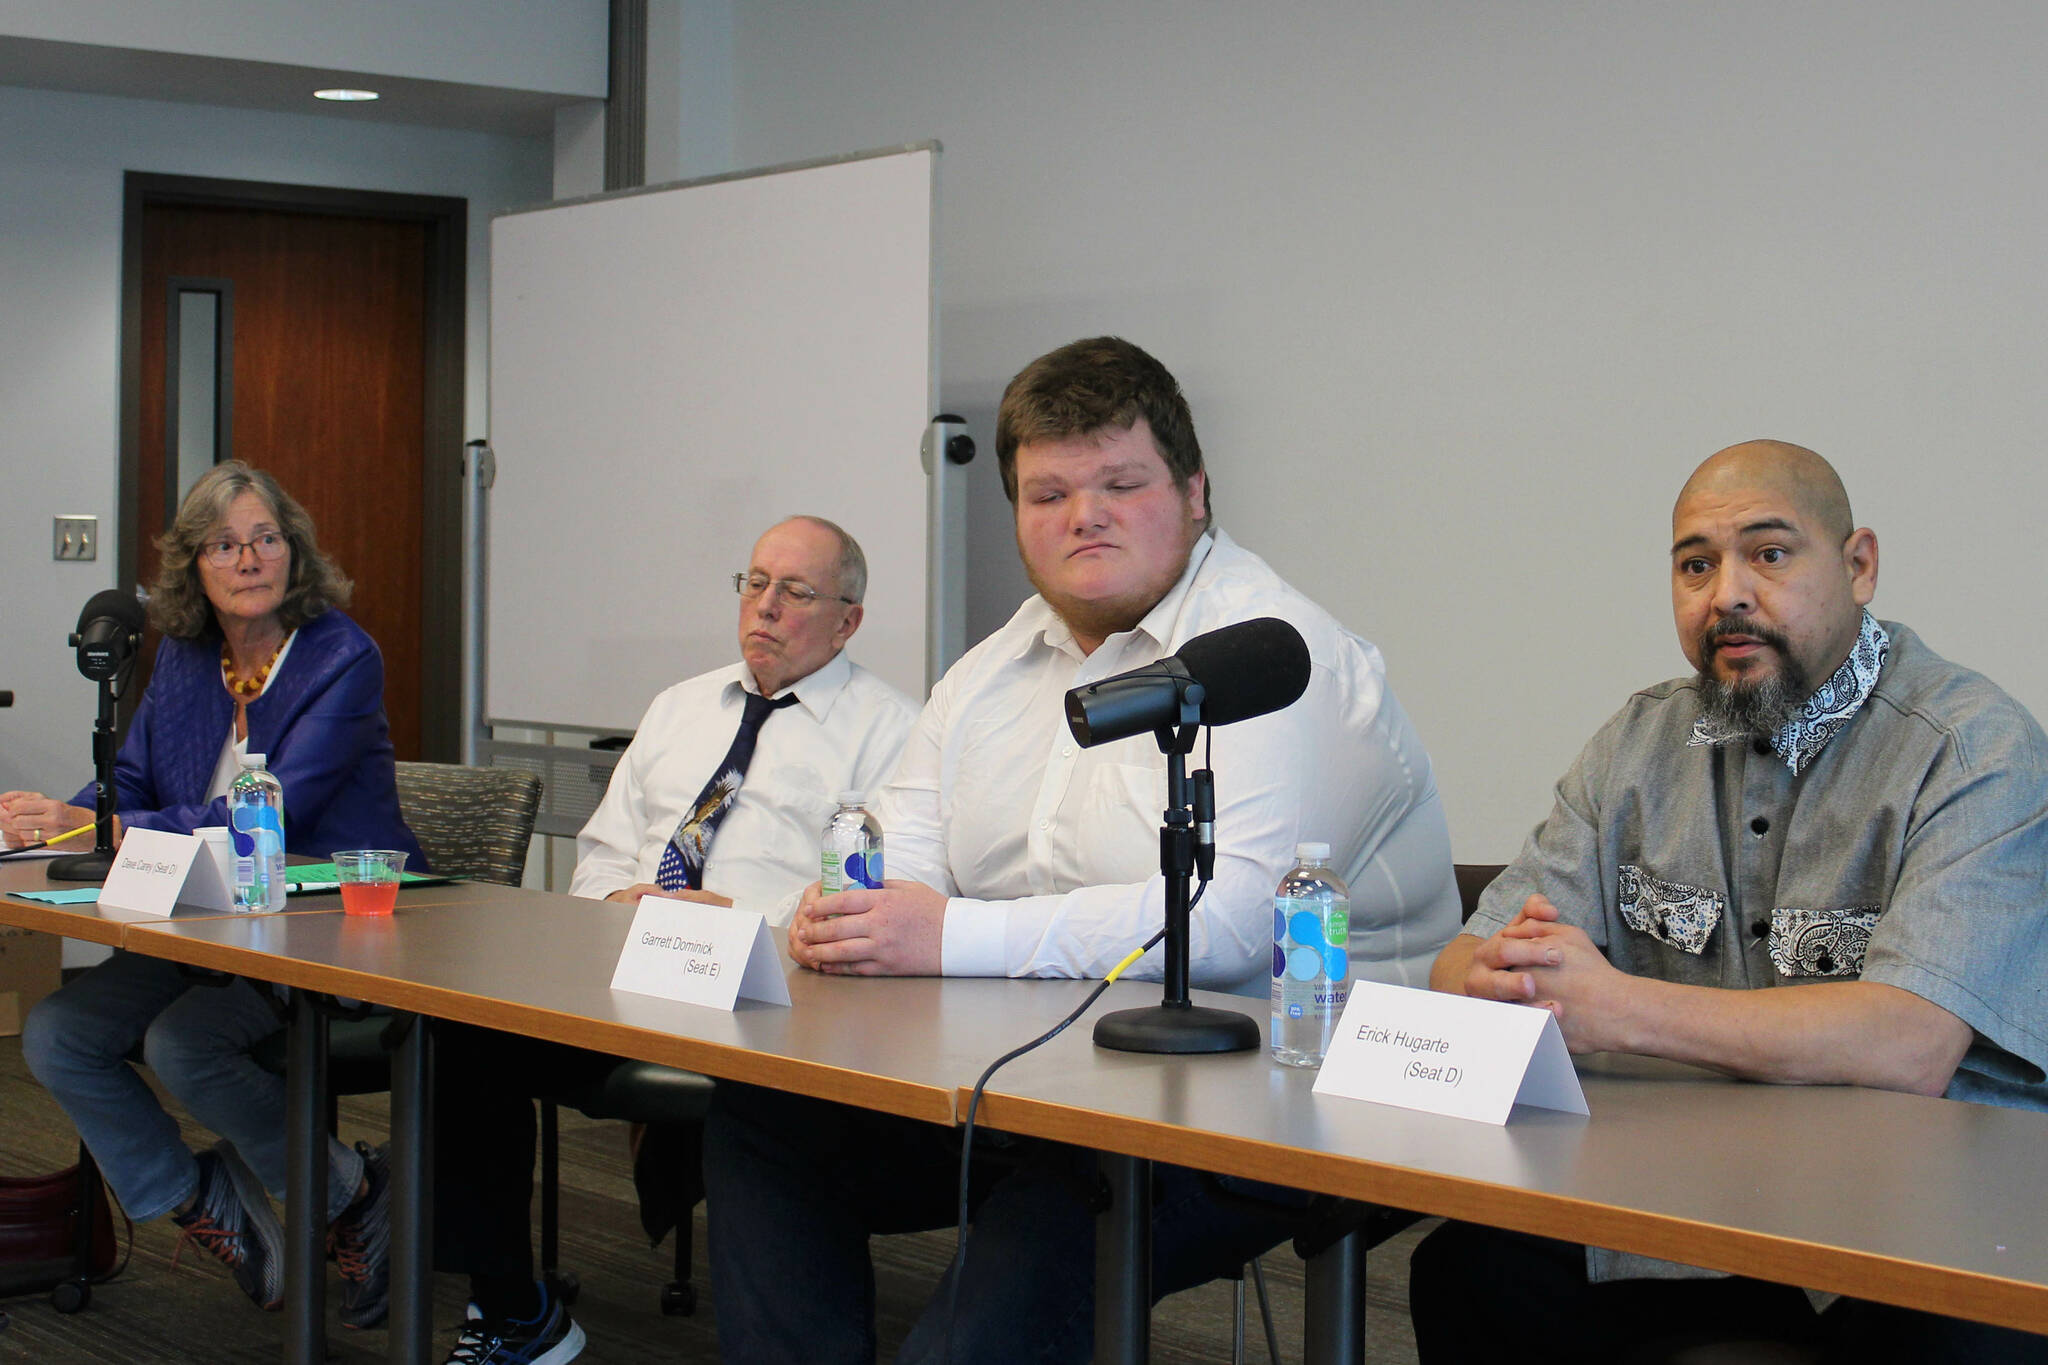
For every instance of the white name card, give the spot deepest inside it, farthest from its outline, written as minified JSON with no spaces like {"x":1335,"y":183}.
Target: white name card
{"x":700,"y":955}
{"x":1448,"y":1054}
{"x":154,"y":871}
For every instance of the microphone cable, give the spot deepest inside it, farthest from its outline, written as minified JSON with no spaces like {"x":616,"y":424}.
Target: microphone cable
{"x":959,"y":1267}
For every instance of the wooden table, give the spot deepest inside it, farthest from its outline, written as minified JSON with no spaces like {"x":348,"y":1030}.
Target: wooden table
{"x":305,"y":1228}
{"x":90,"y":923}
{"x":1928,"y":1203}
{"x":95,"y":923}
{"x":541,"y":965}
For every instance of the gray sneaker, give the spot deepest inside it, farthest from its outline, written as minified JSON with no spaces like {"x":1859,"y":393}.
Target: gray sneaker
{"x":362,"y":1244}
{"x":232,"y":1221}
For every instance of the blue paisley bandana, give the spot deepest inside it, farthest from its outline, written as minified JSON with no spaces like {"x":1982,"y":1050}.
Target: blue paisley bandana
{"x":1830,"y":707}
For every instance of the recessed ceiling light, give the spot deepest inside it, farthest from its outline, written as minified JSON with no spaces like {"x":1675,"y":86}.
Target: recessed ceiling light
{"x":347,"y":96}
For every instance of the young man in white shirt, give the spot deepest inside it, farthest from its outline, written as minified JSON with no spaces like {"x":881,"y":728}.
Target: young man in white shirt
{"x":1014,"y":852}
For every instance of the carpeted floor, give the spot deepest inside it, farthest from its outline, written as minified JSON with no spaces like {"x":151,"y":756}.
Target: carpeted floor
{"x":191,"y":1312}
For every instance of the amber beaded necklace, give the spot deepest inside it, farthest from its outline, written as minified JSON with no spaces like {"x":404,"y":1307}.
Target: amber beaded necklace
{"x":243,"y":689}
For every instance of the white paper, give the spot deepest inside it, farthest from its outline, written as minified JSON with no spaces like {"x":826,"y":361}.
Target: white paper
{"x":149,"y":871}
{"x":700,"y":954}
{"x":1448,"y":1054}
{"x":208,"y":882}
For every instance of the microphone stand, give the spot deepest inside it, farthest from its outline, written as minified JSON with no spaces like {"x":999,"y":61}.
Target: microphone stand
{"x":94,"y":866}
{"x":1176,"y":1025}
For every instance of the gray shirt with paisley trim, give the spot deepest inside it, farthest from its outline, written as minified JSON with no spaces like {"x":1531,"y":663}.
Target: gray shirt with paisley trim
{"x":1911,"y":850}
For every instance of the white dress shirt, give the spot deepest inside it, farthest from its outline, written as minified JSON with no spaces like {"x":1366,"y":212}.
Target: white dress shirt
{"x":1050,"y":852}
{"x":842,"y":735}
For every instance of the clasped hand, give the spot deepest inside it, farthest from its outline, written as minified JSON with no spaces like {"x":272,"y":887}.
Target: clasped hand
{"x":893,"y":930}
{"x":1538,"y":960}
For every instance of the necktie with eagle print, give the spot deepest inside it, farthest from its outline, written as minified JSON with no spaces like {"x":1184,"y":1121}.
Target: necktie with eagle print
{"x":682,"y":862}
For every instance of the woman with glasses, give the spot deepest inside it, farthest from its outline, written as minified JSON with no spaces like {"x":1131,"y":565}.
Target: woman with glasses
{"x":257,"y":658}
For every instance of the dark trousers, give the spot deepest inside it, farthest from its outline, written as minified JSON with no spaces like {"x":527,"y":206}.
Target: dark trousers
{"x":795,"y":1187}
{"x":484,"y":1087}
{"x":1478,"y":1293}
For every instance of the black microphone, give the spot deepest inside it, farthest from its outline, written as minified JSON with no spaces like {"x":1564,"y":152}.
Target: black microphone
{"x":1227,"y":675}
{"x":109,"y":632}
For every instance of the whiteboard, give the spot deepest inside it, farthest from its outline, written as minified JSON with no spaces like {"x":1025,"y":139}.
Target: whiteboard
{"x":673,"y":370}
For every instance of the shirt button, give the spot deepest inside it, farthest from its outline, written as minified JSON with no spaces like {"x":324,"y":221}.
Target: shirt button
{"x":1760,"y":826}
{"x":1067,"y":752}
{"x":1045,"y":824}
{"x":1760,"y":928}
{"x":1761,"y":747}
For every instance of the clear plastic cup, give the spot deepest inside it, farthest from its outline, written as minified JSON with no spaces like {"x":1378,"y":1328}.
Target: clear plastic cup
{"x":369,"y":879}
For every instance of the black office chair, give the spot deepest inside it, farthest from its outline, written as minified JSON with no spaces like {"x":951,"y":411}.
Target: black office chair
{"x":1474,"y":878}
{"x":470,"y":822}
{"x":667,"y":1170}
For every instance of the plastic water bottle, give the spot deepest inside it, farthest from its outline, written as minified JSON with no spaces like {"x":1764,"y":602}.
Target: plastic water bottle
{"x":852,"y":855}
{"x":256,"y":824}
{"x":1311,"y":964}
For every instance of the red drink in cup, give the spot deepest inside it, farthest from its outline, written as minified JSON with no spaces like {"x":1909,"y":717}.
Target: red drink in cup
{"x":369,"y":879}
{"x":369,"y":898}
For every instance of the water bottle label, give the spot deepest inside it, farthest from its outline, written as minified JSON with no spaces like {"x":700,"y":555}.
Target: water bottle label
{"x":849,"y":871}
{"x":1307,"y":943}
{"x":257,"y":831}
{"x":864,"y":869}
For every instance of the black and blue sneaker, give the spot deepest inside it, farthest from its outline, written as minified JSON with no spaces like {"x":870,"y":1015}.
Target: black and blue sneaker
{"x":550,"y":1337}
{"x":231,"y":1219}
{"x":361,"y":1240}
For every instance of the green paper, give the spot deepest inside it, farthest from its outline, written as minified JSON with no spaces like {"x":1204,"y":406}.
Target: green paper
{"x":70,"y":895}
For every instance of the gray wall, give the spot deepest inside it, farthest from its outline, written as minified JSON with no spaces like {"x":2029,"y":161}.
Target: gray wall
{"x":1461,"y":291}
{"x":61,"y":166}
{"x":553,"y":45}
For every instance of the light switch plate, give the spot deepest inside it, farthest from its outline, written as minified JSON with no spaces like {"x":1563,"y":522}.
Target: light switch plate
{"x":76,"y":537}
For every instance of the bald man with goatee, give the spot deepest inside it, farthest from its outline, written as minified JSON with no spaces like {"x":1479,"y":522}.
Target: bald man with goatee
{"x":1818,"y":860}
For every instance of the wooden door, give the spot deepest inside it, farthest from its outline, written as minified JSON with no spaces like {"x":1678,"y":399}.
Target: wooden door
{"x":327,"y":352}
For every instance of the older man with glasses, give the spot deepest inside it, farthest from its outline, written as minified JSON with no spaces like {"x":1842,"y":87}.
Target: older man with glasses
{"x":720,"y":798}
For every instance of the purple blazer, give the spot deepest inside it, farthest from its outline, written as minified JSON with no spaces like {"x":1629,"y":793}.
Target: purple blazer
{"x":320,"y":725}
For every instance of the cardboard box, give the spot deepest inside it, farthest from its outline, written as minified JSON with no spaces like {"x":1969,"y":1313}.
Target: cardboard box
{"x":30,"y":967}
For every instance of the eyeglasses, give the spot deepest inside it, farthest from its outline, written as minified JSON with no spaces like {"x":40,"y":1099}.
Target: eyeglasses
{"x":797,"y":594}
{"x":227,"y":551}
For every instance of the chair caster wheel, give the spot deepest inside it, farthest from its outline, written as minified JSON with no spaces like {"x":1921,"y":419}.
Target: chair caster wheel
{"x":564,"y":1285}
{"x":70,"y":1296}
{"x":678,"y":1300}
